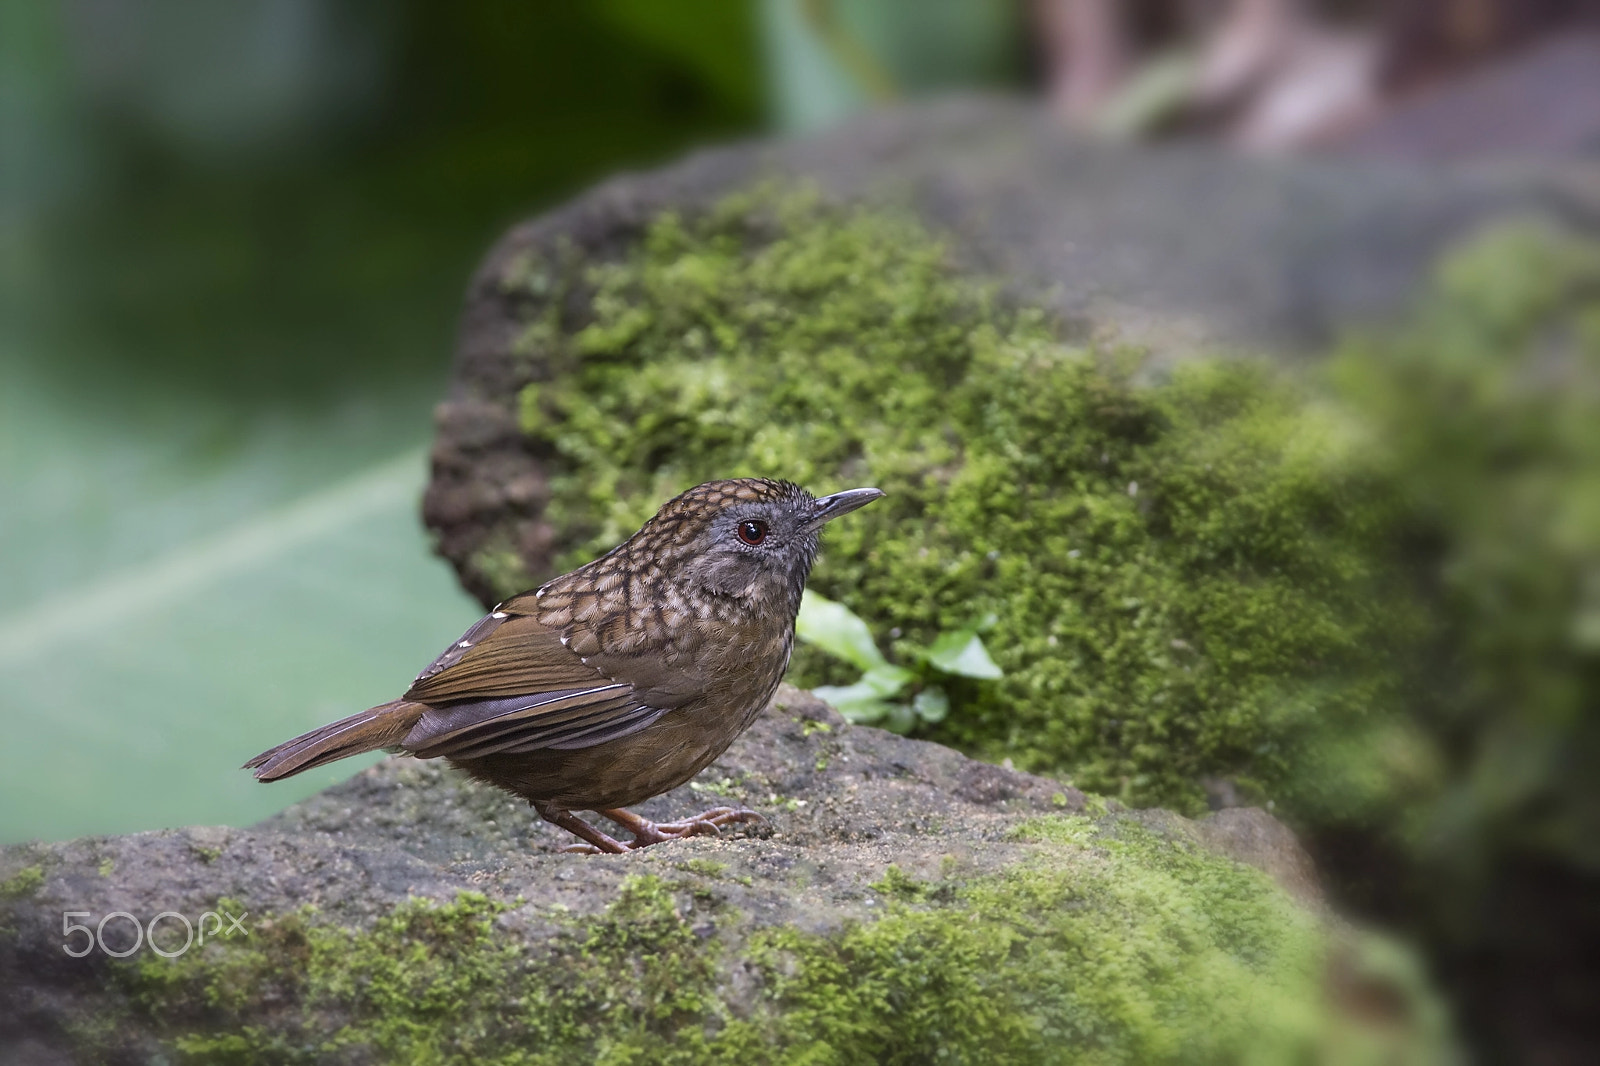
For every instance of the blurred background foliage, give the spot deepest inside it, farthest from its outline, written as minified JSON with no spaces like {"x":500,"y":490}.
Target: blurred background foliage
{"x":235,"y":239}
{"x":1482,"y":415}
{"x":232,"y":248}
{"x":233,"y":242}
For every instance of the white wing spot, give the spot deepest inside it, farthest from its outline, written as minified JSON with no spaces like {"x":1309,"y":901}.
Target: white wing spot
{"x":563,"y":642}
{"x":463,"y":643}
{"x":499,"y":614}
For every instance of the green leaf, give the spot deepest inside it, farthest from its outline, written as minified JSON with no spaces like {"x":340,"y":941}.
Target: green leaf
{"x":827,"y":61}
{"x":962,"y":653}
{"x":1156,"y":91}
{"x":931,"y":704}
{"x":155,"y":679}
{"x":837,"y":630}
{"x":858,"y":702}
{"x":887,"y":680}
{"x":712,"y":38}
{"x":900,"y":718}
{"x":876,"y":685}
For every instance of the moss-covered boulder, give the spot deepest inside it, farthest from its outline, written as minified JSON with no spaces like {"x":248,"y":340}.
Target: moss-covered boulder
{"x":1178,"y":591}
{"x":1359,"y":589}
{"x":903,"y":904}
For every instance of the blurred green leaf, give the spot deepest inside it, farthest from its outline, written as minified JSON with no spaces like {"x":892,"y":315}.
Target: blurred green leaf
{"x":887,"y":680}
{"x":1154,"y":94}
{"x":135,"y":692}
{"x":860,"y":706}
{"x":962,"y":653}
{"x":714,"y":38}
{"x":859,"y":703}
{"x":899,"y":718}
{"x":931,"y":704}
{"x":827,"y":60}
{"x":837,"y":630}
{"x":864,"y":701}
{"x":228,"y":271}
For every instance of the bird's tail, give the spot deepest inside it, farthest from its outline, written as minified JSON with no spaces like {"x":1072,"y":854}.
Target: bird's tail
{"x":378,"y":727}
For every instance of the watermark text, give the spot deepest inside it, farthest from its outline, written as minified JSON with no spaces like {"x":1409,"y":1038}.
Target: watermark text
{"x":169,"y":934}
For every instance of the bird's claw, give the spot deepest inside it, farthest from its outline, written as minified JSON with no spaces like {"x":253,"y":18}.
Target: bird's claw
{"x":686,"y":827}
{"x":645,"y":832}
{"x":708,"y":823}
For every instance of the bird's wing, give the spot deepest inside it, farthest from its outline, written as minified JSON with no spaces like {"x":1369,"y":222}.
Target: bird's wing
{"x":509,"y":655}
{"x":511,"y":685}
{"x":510,"y":725}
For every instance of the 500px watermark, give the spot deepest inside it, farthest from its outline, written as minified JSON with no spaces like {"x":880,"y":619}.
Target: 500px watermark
{"x":223,"y":924}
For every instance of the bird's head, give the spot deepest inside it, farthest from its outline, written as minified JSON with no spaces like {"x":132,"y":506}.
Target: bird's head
{"x":747,"y":539}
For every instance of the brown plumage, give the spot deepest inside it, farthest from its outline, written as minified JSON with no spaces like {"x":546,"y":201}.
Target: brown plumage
{"x":620,"y":680}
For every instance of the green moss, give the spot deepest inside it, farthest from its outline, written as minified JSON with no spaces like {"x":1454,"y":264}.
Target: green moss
{"x":1109,"y":958}
{"x":1179,"y":571}
{"x":1055,"y":828}
{"x":897,"y":884}
{"x":704,"y":867}
{"x":25,"y":882}
{"x":499,"y":564}
{"x":1107,"y":944}
{"x":1367,"y":597}
{"x":1360,"y":599}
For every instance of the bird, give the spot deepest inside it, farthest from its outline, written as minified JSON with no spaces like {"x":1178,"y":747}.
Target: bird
{"x":620,"y":680}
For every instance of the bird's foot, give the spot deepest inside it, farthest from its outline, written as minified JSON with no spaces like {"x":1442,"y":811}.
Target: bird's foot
{"x":706,"y":823}
{"x":594,"y":841}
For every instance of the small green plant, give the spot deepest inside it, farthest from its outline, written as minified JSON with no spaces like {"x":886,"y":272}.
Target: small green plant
{"x":837,"y":630}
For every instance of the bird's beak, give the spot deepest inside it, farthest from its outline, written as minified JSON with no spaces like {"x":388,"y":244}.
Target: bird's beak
{"x":828,"y":508}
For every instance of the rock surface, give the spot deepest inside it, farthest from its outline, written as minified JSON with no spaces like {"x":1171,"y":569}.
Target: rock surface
{"x":844,"y":804}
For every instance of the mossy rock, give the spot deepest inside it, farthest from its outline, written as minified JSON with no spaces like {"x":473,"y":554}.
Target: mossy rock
{"x":904,"y":904}
{"x":1204,"y":577}
{"x":1357,"y":586}
{"x":1179,"y":570}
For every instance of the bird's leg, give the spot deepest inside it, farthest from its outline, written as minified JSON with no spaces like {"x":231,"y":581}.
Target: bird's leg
{"x":646,"y":832}
{"x":597,"y":840}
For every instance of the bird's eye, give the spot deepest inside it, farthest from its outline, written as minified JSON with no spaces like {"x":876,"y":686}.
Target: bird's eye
{"x":752,"y":533}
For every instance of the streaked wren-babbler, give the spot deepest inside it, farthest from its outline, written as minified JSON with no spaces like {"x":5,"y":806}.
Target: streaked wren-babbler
{"x":623,"y":679}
